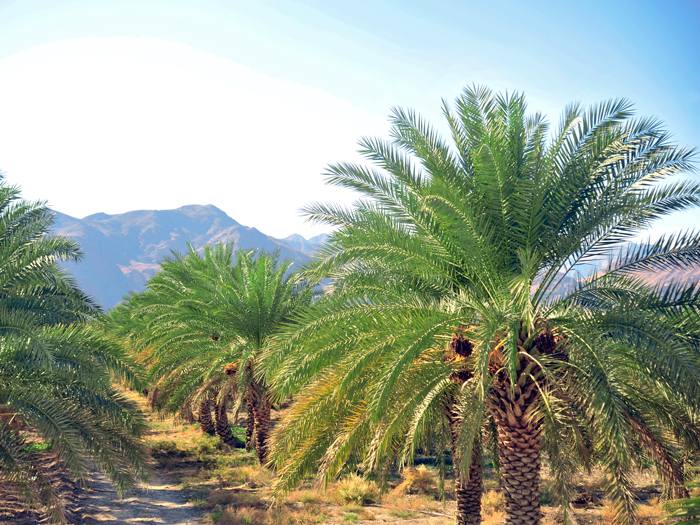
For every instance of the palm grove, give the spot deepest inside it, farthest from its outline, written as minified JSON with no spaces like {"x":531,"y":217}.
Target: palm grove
{"x":465,"y":317}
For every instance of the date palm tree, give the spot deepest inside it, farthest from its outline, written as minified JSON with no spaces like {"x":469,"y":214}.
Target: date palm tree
{"x":171,"y":330}
{"x":492,"y":245}
{"x":202,"y":323}
{"x":56,"y":370}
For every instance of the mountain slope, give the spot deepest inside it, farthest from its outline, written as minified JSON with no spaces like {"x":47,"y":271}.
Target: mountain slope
{"x":123,"y":251}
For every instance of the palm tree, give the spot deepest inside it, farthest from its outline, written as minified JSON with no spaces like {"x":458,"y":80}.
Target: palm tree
{"x":201,"y":325}
{"x":56,"y":371}
{"x":489,"y":246}
{"x":260,"y":297}
{"x":171,"y":329}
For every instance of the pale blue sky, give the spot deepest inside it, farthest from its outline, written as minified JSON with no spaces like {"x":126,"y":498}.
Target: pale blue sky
{"x":337,"y":69}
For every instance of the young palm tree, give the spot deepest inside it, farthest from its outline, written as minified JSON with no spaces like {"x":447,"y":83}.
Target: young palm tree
{"x":55,"y":370}
{"x":490,"y":243}
{"x":204,"y":320}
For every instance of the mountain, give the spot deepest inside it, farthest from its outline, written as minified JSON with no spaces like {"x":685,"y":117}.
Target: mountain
{"x":299,"y":243}
{"x":123,"y":251}
{"x":320,"y":239}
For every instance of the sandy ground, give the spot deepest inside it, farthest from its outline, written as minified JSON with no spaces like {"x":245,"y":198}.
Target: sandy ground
{"x":160,"y":503}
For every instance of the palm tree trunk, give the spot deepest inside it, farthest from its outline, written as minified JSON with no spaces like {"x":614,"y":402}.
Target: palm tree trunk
{"x":261,"y":411}
{"x":468,"y":492}
{"x":519,"y":445}
{"x":223,"y":428}
{"x":251,"y":398}
{"x":153,"y":396}
{"x":186,"y":415}
{"x":204,"y":416}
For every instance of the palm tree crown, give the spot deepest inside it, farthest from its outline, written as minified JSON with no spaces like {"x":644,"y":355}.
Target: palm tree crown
{"x":472,"y":266}
{"x":202,"y":323}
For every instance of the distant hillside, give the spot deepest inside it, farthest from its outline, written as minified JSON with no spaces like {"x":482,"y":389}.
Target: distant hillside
{"x":123,"y":251}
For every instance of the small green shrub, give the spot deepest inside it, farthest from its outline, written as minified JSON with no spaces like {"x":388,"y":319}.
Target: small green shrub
{"x":309,"y":497}
{"x":547,"y":496}
{"x":208,"y":445}
{"x":37,"y":447}
{"x":351,"y":517}
{"x":165,"y":448}
{"x":198,"y":503}
{"x":238,"y":432}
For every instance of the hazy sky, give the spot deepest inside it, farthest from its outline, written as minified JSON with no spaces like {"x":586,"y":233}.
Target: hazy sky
{"x":113,"y":106}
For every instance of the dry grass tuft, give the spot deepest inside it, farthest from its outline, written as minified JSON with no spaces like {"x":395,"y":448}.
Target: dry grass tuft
{"x":420,"y":480}
{"x":608,"y":511}
{"x":246,"y":474}
{"x":399,"y":501}
{"x":356,"y":489}
{"x":240,"y":516}
{"x":652,"y":512}
{"x":592,"y":481}
{"x":493,"y":501}
{"x":493,"y":508}
{"x":254,"y":516}
{"x":220,"y":497}
{"x":493,"y":518}
{"x":307,"y":497}
{"x":549,"y":520}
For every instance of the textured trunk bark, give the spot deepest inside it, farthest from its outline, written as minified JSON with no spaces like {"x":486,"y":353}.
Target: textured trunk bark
{"x":204,"y":416}
{"x":262,"y":430}
{"x":153,"y":398}
{"x":223,"y":428}
{"x":186,"y":414}
{"x":519,"y":445}
{"x":261,"y":411}
{"x":468,"y":492}
{"x":251,"y":399}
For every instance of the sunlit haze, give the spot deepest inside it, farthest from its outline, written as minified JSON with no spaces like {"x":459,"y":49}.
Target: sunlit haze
{"x":117,"y":106}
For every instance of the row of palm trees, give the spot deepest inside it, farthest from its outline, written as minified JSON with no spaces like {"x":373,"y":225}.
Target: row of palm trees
{"x":465,"y":314}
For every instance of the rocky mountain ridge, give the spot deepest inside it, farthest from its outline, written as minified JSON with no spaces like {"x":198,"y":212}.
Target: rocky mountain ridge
{"x":123,"y":251}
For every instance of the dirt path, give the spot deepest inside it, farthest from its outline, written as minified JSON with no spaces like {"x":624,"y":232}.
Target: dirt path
{"x":161,"y":503}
